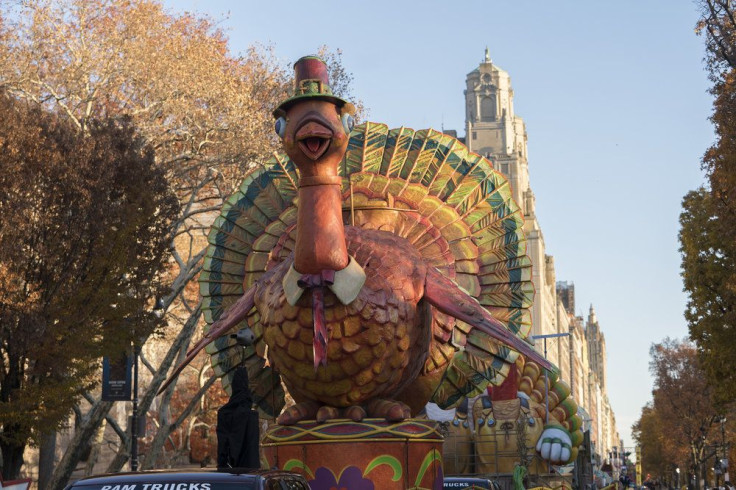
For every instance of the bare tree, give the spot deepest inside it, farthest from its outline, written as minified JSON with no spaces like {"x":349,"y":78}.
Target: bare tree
{"x":718,"y":25}
{"x":205,"y":111}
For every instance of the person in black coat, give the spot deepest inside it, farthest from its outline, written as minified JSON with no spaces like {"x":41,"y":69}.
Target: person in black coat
{"x":238,"y":433}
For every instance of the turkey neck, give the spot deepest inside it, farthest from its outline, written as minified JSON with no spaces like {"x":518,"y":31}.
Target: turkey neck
{"x":320,"y":237}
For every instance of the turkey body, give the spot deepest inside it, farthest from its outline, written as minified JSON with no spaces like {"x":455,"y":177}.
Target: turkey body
{"x":378,"y":344}
{"x":445,"y":288}
{"x":441,"y":243}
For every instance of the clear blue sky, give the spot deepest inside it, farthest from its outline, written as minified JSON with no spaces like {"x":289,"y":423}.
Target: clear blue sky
{"x":614,"y":96}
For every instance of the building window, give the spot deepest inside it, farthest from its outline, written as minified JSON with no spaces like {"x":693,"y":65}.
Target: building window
{"x":475,"y":135}
{"x":487,"y":109}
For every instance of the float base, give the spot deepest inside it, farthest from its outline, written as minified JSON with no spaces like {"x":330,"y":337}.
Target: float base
{"x":372,"y":454}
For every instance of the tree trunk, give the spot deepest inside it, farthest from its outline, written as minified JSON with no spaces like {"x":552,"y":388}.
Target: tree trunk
{"x":84,"y":432}
{"x":12,"y":459}
{"x":96,"y":446}
{"x":178,"y":351}
{"x":121,"y":457}
{"x":166,"y":427}
{"x":46,"y":460}
{"x":704,"y":474}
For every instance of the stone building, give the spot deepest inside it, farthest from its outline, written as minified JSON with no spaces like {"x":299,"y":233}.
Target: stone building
{"x":596,"y":347}
{"x":493,"y":130}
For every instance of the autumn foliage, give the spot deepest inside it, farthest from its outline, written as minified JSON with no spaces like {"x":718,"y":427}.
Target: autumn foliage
{"x":708,"y":220}
{"x":680,"y":427}
{"x":84,"y":226}
{"x":206,"y":114}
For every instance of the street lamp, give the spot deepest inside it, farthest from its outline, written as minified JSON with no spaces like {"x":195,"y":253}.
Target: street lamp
{"x":134,"y":430}
{"x":623,"y":453}
{"x":724,"y":460}
{"x":677,"y":477}
{"x":137,"y":420}
{"x":116,"y":386}
{"x":546,"y":376}
{"x":614,"y":459}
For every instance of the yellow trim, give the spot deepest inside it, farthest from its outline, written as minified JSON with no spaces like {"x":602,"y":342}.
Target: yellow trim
{"x":317,"y":431}
{"x":328,"y":441}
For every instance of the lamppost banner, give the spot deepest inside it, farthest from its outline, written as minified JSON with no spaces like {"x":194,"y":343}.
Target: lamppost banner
{"x":116,"y":378}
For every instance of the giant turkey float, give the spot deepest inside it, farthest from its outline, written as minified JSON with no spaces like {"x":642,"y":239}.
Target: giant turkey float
{"x":380,"y":270}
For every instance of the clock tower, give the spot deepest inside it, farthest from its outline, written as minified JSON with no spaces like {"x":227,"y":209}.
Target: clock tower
{"x":493,"y":130}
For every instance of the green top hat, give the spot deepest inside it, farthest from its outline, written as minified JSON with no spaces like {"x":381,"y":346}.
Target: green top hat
{"x":311,"y":80}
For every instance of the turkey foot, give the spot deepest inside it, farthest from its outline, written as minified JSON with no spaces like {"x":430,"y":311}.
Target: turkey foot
{"x":356,"y":413}
{"x":390,"y":410}
{"x":296,"y":413}
{"x":326,"y":413}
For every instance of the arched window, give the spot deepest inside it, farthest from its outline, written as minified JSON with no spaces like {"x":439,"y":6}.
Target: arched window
{"x":487,"y":109}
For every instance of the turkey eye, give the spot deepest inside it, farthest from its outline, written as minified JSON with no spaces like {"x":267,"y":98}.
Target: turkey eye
{"x":280,"y":127}
{"x":348,"y":123}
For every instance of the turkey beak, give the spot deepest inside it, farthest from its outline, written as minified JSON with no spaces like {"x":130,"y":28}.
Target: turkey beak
{"x":314,"y":137}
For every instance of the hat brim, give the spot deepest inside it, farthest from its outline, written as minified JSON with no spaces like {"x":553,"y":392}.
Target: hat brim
{"x":341,"y":103}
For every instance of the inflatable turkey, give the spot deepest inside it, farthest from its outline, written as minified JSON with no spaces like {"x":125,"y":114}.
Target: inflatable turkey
{"x":378,"y":269}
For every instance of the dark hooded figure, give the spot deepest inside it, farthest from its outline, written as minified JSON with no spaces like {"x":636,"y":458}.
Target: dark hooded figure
{"x":237,"y":427}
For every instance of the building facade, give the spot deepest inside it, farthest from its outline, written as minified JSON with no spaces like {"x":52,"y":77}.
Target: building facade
{"x":493,"y":130}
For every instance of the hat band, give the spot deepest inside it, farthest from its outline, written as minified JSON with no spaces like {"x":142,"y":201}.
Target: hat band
{"x":313,"y":86}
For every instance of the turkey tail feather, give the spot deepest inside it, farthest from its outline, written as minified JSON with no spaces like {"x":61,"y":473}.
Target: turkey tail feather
{"x":447,"y":297}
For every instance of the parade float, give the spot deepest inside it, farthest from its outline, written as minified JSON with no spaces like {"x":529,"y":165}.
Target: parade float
{"x":376,"y":270}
